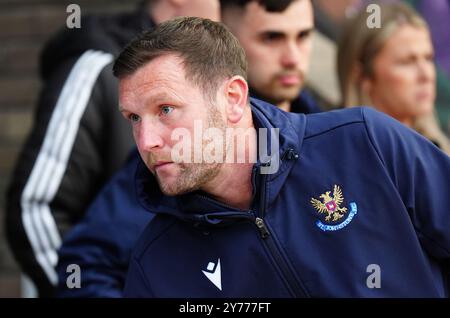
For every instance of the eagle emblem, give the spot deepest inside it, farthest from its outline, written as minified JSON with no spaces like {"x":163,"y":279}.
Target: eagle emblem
{"x":330,"y":204}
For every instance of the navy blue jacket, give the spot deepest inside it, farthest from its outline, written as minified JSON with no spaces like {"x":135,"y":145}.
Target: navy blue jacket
{"x":102,"y":242}
{"x":359,"y":207}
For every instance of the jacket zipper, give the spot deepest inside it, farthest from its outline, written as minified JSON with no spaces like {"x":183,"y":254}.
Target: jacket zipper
{"x":262,"y":227}
{"x":295,"y":287}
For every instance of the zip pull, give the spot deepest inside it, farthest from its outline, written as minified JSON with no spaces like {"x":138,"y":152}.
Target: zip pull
{"x":262,"y":227}
{"x":290,"y":154}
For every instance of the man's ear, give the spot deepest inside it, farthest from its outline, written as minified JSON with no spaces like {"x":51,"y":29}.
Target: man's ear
{"x":236,"y":96}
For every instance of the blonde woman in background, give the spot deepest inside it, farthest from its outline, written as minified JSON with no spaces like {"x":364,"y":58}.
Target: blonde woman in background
{"x":392,"y":69}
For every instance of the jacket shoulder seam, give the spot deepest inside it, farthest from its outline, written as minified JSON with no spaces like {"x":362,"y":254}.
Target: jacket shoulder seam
{"x":371,"y":141}
{"x":333,"y":128}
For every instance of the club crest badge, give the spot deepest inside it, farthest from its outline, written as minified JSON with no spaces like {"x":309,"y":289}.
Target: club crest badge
{"x":334,"y":216}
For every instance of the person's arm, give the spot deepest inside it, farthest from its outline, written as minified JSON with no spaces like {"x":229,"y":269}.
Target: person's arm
{"x":101,"y":244}
{"x":421,"y":173}
{"x":64,"y":161}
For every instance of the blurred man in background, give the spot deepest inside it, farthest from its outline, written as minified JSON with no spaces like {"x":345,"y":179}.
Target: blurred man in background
{"x":277,"y":39}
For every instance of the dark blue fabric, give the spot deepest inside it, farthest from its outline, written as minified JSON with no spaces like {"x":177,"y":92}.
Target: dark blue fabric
{"x":305,"y":104}
{"x":102,"y":243}
{"x":395,"y":180}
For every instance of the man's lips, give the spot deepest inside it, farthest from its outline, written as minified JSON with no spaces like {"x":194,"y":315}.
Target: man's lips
{"x":160,"y":164}
{"x":289,"y":79}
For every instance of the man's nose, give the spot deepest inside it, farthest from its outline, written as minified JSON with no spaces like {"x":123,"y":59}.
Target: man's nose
{"x":290,"y":56}
{"x":148,"y":137}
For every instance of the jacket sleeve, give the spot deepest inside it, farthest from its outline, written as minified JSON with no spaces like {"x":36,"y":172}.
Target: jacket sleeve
{"x":72,"y":149}
{"x":101,"y":244}
{"x":421,"y":173}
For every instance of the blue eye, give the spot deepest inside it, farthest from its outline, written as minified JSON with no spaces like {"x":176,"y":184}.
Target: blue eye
{"x":134,"y":118}
{"x":166,"y":110}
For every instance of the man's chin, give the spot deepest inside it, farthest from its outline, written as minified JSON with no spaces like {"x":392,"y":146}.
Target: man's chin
{"x":173,"y":191}
{"x":283,"y":94}
{"x":172,"y":187}
{"x":168,"y":189}
{"x":289,"y":93}
{"x":169,"y":192}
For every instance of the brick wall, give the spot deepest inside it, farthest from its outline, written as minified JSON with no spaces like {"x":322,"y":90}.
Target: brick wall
{"x":25,"y":25}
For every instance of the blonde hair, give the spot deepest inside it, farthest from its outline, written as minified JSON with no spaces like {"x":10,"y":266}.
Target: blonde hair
{"x":357,"y":49}
{"x":428,"y":126}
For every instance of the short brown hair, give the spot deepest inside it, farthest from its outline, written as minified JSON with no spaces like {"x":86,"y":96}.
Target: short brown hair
{"x":209,"y":51}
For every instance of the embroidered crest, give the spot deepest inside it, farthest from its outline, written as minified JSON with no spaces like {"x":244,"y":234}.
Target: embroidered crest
{"x":331,"y":207}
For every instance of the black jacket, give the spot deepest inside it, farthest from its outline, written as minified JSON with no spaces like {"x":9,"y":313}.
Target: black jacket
{"x":78,"y":140}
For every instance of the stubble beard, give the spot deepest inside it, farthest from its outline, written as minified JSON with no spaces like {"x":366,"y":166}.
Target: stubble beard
{"x":275,"y":93}
{"x":193,"y":176}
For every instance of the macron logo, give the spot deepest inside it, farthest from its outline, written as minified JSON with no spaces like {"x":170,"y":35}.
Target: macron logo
{"x":212,"y":272}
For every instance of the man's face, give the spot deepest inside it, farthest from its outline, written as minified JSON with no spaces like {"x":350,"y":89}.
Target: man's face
{"x":209,"y":9}
{"x":277,"y":45}
{"x":157,"y":99}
